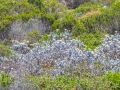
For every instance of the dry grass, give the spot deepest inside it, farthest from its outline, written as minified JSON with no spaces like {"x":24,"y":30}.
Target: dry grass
{"x":89,"y":14}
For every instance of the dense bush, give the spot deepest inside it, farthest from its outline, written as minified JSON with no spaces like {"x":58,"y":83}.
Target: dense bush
{"x":5,"y":81}
{"x":92,"y":40}
{"x":44,"y":38}
{"x":89,"y":17}
{"x":68,"y":22}
{"x":33,"y":36}
{"x":73,"y":83}
{"x":87,"y":7}
{"x":57,"y":61}
{"x":114,"y":78}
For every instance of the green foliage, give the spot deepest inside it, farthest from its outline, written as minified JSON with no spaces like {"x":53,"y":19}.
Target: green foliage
{"x":104,"y":2}
{"x":114,"y":78}
{"x":96,"y":83}
{"x":46,"y":37}
{"x":53,"y":11}
{"x":24,"y":7}
{"x":33,"y":36}
{"x":91,"y":40}
{"x":87,"y":7}
{"x":80,"y":28}
{"x":7,"y":42}
{"x":58,"y":15}
{"x":54,"y":7}
{"x":49,"y":17}
{"x":5,"y":81}
{"x":12,"y":10}
{"x":68,"y":22}
{"x":83,"y":21}
{"x":60,"y":82}
{"x":96,"y":20}
{"x":73,"y":83}
{"x":56,"y":24}
{"x":5,"y":51}
{"x":46,"y":10}
{"x":92,"y":17}
{"x":38,"y":3}
{"x":116,"y":10}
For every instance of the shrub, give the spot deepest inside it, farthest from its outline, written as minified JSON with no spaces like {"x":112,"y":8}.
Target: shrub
{"x":91,"y":40}
{"x":96,"y":83}
{"x":55,"y":25}
{"x":59,"y":82}
{"x":33,"y":36}
{"x":79,"y":29}
{"x":70,"y":83}
{"x":38,"y":3}
{"x":44,"y":38}
{"x":5,"y":51}
{"x":114,"y":78}
{"x":87,"y":7}
{"x":5,"y":80}
{"x":68,"y":22}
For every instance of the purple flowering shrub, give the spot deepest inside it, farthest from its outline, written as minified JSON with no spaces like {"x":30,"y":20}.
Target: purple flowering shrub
{"x":60,"y":55}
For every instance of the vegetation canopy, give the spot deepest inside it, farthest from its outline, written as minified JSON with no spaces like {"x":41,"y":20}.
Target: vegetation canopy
{"x":59,"y":44}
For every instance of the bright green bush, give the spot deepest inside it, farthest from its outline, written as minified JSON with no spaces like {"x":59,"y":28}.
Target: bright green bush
{"x":92,"y":40}
{"x":59,"y":82}
{"x":49,"y":17}
{"x":79,"y":29}
{"x":46,"y":37}
{"x":33,"y":36}
{"x":116,"y":10}
{"x":96,"y":20}
{"x":5,"y":81}
{"x":96,"y":83}
{"x":114,"y":78}
{"x":68,"y":22}
{"x":72,"y":83}
{"x":92,"y":17}
{"x":56,"y":24}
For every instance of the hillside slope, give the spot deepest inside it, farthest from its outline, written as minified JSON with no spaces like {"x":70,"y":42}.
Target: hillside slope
{"x":19,"y":17}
